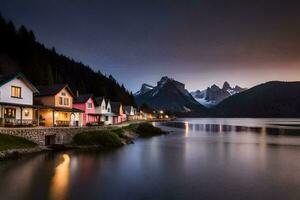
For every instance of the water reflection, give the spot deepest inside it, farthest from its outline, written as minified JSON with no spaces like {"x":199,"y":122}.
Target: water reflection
{"x":186,"y":129}
{"x":60,"y":181}
{"x":197,"y":158}
{"x":219,"y":128}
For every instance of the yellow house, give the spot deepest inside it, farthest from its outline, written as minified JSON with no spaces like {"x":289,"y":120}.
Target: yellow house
{"x":56,"y":106}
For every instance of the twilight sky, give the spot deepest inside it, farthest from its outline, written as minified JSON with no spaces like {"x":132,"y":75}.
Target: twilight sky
{"x":197,"y":42}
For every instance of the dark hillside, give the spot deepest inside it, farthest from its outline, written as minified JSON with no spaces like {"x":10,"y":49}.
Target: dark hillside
{"x":20,"y":52}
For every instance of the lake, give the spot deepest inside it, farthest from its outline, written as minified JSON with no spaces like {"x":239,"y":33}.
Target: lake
{"x":199,"y":159}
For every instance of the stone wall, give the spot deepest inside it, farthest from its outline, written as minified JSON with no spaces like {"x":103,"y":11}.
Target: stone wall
{"x":62,"y":135}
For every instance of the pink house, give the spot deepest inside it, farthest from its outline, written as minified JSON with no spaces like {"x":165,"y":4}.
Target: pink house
{"x":85,"y":103}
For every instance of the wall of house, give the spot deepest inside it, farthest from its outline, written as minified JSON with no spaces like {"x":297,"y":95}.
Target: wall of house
{"x":47,"y":115}
{"x":18,"y":112}
{"x":102,"y":108}
{"x":62,"y":116}
{"x":107,"y":122}
{"x":122,"y":117}
{"x":76,"y":118}
{"x":68,"y":95}
{"x":81,"y":106}
{"x":45,"y":100}
{"x":84,"y":106}
{"x":26,"y":93}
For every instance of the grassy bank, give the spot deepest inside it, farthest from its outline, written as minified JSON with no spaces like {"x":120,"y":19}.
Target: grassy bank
{"x":104,"y":138}
{"x":145,"y":130}
{"x":116,"y":137}
{"x":8,"y":142}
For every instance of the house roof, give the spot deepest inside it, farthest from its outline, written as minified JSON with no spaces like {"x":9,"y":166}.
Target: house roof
{"x":115,"y":107}
{"x":98,"y":100}
{"x":5,"y":78}
{"x":83,"y":98}
{"x":127,"y":109}
{"x":53,"y":89}
{"x":54,"y":108}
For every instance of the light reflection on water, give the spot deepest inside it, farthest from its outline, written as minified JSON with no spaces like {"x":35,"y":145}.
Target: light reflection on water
{"x":199,"y":159}
{"x":186,"y":129}
{"x":263,"y":126}
{"x":61,"y":179}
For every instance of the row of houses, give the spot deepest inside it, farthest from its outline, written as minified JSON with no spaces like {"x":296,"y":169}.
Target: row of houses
{"x":22,"y":103}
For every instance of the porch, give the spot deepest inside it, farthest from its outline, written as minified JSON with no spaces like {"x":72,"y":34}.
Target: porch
{"x":61,"y":117}
{"x":17,"y":115}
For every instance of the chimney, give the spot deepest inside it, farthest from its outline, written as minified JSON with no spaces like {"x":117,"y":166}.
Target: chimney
{"x":77,"y":93}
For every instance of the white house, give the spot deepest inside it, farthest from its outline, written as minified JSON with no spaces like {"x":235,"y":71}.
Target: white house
{"x":16,"y":100}
{"x":103,"y":107}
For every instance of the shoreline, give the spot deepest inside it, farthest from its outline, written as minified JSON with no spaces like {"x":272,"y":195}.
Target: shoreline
{"x":130,"y":136}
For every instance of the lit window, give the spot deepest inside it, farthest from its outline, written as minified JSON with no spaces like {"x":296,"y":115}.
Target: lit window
{"x":10,"y":113}
{"x":15,"y":92}
{"x":60,"y":101}
{"x":66,"y":101}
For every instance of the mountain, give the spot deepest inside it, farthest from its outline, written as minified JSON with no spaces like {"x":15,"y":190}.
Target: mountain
{"x":20,"y":52}
{"x":145,"y":88}
{"x":169,"y":95}
{"x":214,"y":94}
{"x":271,"y":99}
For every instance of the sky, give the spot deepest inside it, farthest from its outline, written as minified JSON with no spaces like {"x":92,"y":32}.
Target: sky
{"x":197,"y":42}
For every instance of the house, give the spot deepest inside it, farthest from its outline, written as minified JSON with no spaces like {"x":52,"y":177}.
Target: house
{"x":16,"y":100}
{"x":56,"y":106}
{"x":103,"y":108}
{"x":131,"y":113}
{"x":86,"y":103}
{"x":117,"y":109}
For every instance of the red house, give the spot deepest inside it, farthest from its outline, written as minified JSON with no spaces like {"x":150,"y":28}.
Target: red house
{"x":86,"y":103}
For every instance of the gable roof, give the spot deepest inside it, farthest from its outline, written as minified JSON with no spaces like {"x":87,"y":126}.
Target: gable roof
{"x":115,"y":107}
{"x":52,"y":90}
{"x":98,"y":100}
{"x":127,"y":109}
{"x":5,"y":78}
{"x":83,"y":98}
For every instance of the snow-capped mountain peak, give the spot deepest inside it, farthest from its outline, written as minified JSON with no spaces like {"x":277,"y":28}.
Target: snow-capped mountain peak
{"x":145,"y":88}
{"x":169,"y":95}
{"x":214,"y":94}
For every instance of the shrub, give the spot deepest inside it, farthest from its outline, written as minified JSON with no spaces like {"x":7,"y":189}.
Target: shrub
{"x":101,"y":138}
{"x":148,"y":130}
{"x":131,"y":127}
{"x":119,"y":132}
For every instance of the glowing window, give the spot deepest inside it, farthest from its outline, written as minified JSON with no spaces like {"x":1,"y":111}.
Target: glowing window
{"x":15,"y":92}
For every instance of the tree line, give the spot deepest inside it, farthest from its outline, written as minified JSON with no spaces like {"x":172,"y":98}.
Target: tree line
{"x":21,"y":52}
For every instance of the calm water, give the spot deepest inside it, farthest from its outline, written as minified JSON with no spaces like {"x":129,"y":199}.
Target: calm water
{"x":199,"y":159}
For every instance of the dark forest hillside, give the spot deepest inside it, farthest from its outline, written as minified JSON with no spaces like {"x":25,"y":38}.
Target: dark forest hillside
{"x":271,"y":99}
{"x":20,"y":52}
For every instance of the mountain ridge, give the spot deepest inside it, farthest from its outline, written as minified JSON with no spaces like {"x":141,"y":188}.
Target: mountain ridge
{"x":270,"y":99}
{"x":162,"y":97}
{"x":213,"y":95}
